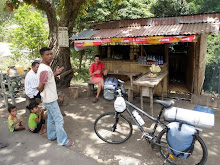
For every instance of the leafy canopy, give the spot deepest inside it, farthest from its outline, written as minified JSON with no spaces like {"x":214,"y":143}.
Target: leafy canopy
{"x":31,"y":33}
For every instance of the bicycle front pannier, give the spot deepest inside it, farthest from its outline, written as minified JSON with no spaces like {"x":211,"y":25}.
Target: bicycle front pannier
{"x":180,"y":138}
{"x":110,"y":85}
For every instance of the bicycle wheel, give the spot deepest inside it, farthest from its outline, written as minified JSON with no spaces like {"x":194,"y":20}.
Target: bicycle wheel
{"x":113,"y":128}
{"x":198,"y":157}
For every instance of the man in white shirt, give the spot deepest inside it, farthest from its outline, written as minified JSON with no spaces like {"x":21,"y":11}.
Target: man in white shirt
{"x":31,"y":83}
{"x":47,"y":87}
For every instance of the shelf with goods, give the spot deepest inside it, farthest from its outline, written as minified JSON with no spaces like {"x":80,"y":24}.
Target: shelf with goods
{"x":151,"y":59}
{"x":164,"y":65}
{"x":134,"y":52}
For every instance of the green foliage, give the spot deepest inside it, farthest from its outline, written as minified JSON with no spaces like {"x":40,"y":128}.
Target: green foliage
{"x":170,"y":8}
{"x":212,"y":74}
{"x":205,"y":6}
{"x":31,"y":33}
{"x":104,"y":10}
{"x":82,"y":74}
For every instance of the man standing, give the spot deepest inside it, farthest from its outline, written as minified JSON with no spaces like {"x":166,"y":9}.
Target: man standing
{"x":47,"y":87}
{"x":95,"y":74}
{"x":31,"y":83}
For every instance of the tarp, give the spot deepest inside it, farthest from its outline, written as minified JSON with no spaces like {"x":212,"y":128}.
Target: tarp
{"x":82,"y":44}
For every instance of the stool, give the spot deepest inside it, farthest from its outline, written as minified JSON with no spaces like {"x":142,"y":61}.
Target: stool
{"x":90,"y":88}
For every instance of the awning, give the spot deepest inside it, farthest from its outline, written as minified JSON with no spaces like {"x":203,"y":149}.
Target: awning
{"x":82,"y":44}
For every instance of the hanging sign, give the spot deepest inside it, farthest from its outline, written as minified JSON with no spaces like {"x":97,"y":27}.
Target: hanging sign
{"x":136,"y":40}
{"x":63,"y":38}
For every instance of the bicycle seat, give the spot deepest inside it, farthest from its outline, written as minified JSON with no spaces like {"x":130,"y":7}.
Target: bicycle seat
{"x":166,"y":104}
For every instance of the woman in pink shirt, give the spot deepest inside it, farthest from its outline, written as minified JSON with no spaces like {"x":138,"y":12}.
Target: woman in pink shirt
{"x":95,"y":74}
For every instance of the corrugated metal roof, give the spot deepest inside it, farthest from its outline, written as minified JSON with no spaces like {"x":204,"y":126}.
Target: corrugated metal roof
{"x":85,"y":34}
{"x":161,"y":30}
{"x":108,"y":33}
{"x":183,"y":25}
{"x":199,"y":18}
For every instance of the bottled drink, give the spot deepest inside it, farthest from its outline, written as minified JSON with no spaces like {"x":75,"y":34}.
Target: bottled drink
{"x":138,"y":118}
{"x":154,"y":61}
{"x":161,"y":60}
{"x":145,"y":61}
{"x":148,"y":59}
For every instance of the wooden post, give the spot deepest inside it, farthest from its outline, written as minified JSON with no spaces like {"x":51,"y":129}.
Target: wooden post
{"x":141,"y":50}
{"x":201,"y":50}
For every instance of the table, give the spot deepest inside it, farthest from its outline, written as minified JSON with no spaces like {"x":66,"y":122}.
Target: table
{"x":147,"y":85}
{"x":130,"y":75}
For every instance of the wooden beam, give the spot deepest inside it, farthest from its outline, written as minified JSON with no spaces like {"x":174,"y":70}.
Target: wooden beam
{"x":66,"y":73}
{"x":201,"y":50}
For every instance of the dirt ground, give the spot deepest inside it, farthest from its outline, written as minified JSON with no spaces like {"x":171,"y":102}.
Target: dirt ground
{"x":79,"y":121}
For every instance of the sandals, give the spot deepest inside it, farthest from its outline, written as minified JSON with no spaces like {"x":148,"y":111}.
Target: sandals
{"x":69,"y":144}
{"x":95,"y":100}
{"x":44,"y":131}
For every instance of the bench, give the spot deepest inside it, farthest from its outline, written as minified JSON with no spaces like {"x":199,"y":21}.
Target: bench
{"x":90,"y":88}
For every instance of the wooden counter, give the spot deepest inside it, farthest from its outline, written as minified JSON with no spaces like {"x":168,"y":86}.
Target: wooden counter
{"x":147,"y":85}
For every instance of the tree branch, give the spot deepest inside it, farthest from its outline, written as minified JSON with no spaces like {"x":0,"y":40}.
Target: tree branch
{"x":49,"y":8}
{"x":68,"y":16}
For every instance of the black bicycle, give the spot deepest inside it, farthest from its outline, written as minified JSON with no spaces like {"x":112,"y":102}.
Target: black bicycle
{"x":115,"y":128}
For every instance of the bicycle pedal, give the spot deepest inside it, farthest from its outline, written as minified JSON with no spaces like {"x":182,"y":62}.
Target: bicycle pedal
{"x":164,"y":162}
{"x":142,"y":138}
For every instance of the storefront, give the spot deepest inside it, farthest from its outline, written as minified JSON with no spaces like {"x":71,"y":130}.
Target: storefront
{"x":177,"y":44}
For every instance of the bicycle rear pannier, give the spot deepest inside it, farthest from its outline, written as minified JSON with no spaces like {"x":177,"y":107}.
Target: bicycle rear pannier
{"x":180,"y":138}
{"x":110,"y":85}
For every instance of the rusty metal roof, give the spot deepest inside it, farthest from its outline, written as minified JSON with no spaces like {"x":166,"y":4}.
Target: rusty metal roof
{"x":161,"y":30}
{"x":87,"y":33}
{"x":169,"y":26}
{"x":198,"y":18}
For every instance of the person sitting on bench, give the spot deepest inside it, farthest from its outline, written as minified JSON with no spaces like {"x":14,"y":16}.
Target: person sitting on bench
{"x":31,"y":83}
{"x":95,"y":74}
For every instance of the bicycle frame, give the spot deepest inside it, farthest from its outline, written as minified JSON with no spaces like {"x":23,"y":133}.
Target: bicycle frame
{"x":157,"y":121}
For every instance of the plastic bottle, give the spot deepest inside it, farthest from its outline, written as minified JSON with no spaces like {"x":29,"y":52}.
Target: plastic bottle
{"x":138,"y":118}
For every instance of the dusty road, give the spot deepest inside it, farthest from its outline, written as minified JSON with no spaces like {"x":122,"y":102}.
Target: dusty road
{"x":80,"y":116}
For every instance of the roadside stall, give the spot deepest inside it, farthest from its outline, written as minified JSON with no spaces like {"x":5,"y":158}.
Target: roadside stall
{"x":177,"y":45}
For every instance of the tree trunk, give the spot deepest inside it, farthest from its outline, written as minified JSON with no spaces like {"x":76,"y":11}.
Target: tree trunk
{"x":67,"y":19}
{"x":63,"y":59}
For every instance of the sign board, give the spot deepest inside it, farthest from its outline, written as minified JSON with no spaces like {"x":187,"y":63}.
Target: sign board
{"x":63,"y":38}
{"x":136,"y":40}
